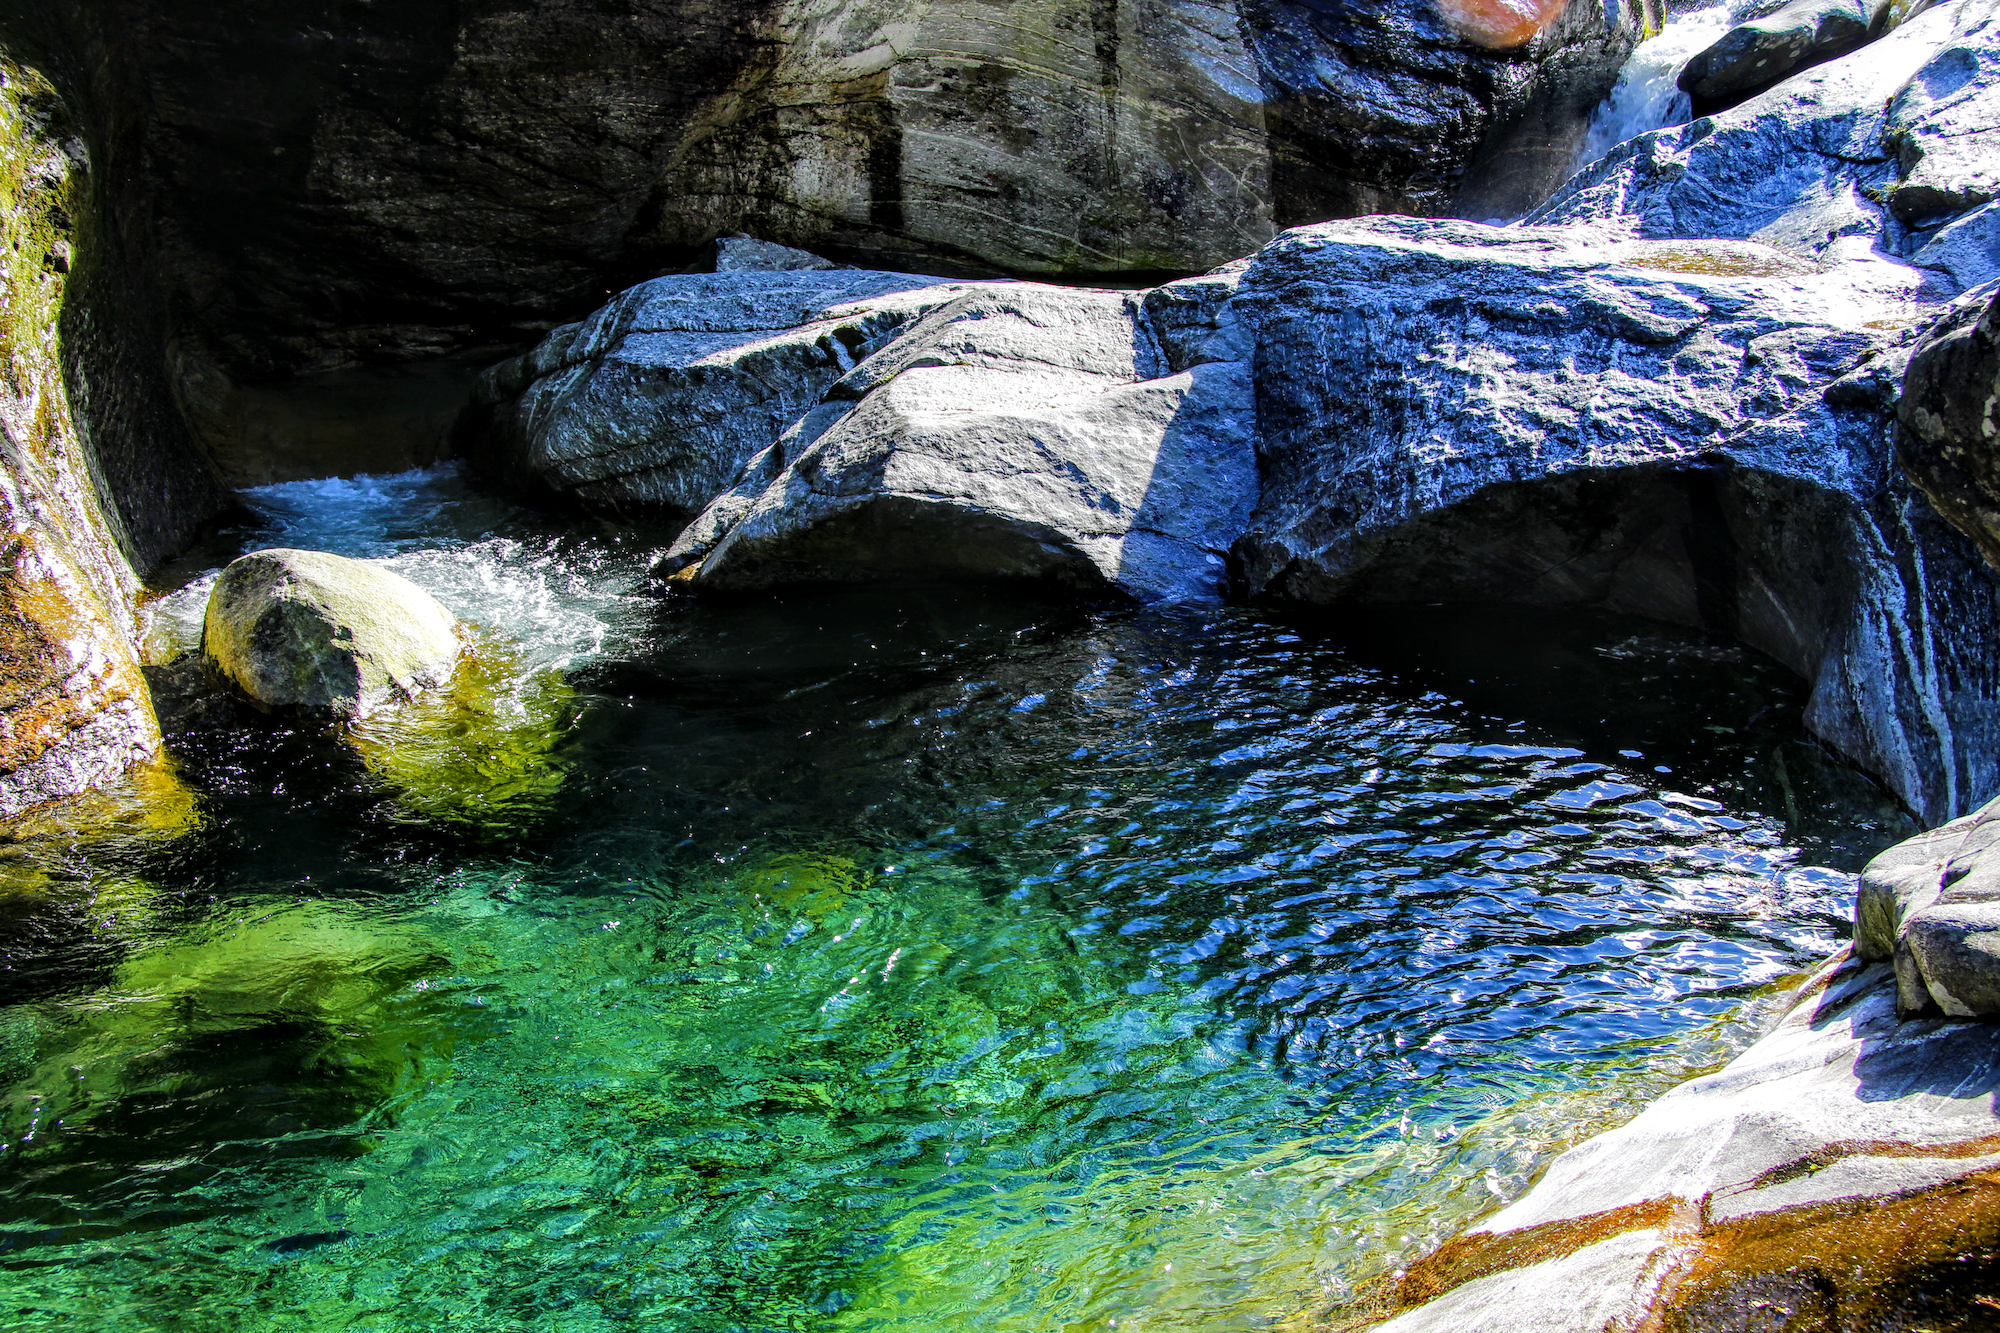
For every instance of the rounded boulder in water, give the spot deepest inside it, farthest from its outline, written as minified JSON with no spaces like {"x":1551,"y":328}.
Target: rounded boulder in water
{"x":310,"y":633}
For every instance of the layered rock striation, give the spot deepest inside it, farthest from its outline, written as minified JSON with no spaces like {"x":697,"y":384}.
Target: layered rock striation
{"x":337,"y":186}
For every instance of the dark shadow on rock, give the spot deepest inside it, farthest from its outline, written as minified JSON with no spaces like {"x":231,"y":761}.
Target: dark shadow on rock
{"x":1839,"y":591}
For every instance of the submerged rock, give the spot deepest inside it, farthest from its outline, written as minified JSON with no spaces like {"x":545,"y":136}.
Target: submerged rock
{"x":478,"y":755}
{"x":1755,"y":55}
{"x":1845,"y":1169}
{"x":324,"y":636}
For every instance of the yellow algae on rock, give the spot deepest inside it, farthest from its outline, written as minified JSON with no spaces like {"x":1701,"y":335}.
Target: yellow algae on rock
{"x":478,"y":754}
{"x":804,"y":883}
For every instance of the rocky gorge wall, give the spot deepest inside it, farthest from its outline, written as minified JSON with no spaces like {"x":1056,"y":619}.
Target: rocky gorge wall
{"x":344,"y":209}
{"x":1739,"y":374}
{"x":1670,"y":391}
{"x":256,"y":242}
{"x":74,"y":710}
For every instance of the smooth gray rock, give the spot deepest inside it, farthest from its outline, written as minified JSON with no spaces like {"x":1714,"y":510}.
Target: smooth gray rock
{"x":323,"y":636}
{"x":1841,"y":1109}
{"x":1931,"y":905}
{"x":1948,"y":439}
{"x":654,"y":403}
{"x":1016,"y":432}
{"x":1752,"y":56}
{"x":746,"y":254}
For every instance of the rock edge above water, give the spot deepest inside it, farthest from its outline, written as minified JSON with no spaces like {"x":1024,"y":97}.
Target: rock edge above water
{"x":1845,"y":1170}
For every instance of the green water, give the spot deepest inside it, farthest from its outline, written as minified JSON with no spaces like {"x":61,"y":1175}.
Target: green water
{"x":890,"y":959}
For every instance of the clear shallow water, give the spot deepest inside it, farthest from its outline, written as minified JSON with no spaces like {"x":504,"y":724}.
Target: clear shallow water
{"x":897,"y":959}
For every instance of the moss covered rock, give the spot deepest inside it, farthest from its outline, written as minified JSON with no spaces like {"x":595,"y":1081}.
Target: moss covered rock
{"x":321,"y":635}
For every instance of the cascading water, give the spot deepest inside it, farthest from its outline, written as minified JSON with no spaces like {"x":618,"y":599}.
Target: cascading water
{"x":1646,"y":97}
{"x":882,"y":959}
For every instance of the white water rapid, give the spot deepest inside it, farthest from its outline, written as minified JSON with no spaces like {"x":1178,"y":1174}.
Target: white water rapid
{"x":1646,"y":97}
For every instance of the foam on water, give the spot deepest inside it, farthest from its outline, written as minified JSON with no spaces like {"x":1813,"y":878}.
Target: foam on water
{"x":1646,"y":97}
{"x":565,"y":596}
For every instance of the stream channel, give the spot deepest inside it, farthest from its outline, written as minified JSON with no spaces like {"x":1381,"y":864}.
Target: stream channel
{"x":885,"y":958}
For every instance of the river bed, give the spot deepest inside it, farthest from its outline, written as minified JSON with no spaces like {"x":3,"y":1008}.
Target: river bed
{"x":891,"y":958}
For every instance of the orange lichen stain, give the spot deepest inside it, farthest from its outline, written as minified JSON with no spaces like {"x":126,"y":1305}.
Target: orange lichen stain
{"x":1931,"y":1256}
{"x":1483,"y":1253}
{"x":1929,"y":1260}
{"x":61,"y":661}
{"x":1501,"y":25}
{"x":149,"y":801}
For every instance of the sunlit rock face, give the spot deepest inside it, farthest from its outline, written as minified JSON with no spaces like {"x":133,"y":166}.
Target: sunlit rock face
{"x":1842,"y":1168}
{"x":1669,"y":392}
{"x":1502,"y":25}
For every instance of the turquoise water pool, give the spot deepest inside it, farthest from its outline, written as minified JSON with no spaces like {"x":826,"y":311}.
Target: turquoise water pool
{"x":891,"y":959}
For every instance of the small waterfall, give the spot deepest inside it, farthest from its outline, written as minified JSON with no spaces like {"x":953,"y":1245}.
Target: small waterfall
{"x":1646,"y":97}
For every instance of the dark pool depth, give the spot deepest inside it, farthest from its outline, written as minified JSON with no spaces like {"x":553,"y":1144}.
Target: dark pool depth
{"x":889,"y":959}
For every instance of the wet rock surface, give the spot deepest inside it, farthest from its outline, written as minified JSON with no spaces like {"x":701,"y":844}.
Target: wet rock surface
{"x":306,"y":633}
{"x":74,"y":711}
{"x":1845,"y":1169}
{"x":1949,"y":416}
{"x":1555,"y":417}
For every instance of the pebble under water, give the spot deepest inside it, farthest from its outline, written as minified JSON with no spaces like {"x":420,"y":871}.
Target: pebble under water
{"x":887,"y":959}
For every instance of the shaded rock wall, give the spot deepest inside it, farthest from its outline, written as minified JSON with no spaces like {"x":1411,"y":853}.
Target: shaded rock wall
{"x":1949,"y":415}
{"x":332,"y":184}
{"x":74,"y":711}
